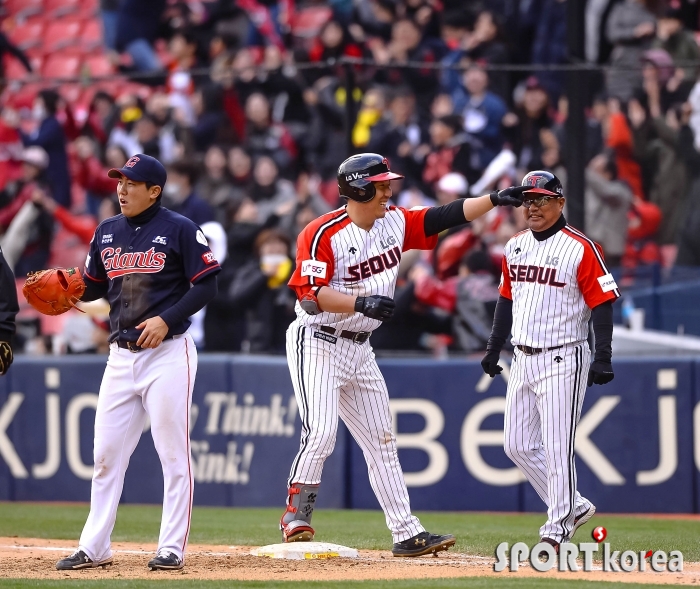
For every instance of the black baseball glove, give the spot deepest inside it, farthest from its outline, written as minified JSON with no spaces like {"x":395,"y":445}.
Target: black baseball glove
{"x":601,"y":372}
{"x":376,"y":307}
{"x":6,"y":357}
{"x":490,"y":363}
{"x":512,"y":196}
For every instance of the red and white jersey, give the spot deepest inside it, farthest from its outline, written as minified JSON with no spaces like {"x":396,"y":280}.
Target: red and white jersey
{"x":332,"y":251}
{"x":554,"y":284}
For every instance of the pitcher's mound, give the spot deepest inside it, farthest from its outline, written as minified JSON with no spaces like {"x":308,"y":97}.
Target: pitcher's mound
{"x":306,"y":551}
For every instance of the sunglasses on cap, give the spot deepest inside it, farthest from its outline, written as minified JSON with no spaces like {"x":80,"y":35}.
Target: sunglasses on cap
{"x":539,"y":202}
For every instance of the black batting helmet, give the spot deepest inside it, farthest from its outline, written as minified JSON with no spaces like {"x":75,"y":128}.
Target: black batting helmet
{"x":356,"y":174}
{"x":543,"y":182}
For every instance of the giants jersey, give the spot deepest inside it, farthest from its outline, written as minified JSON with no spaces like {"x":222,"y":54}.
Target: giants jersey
{"x":332,"y":251}
{"x":147,"y":268}
{"x":554,"y":284}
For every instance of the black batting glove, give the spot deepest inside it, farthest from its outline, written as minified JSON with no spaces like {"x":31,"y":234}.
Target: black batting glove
{"x":6,"y":357}
{"x":601,"y":372}
{"x":509,"y":197}
{"x":376,"y":307}
{"x":490,"y":363}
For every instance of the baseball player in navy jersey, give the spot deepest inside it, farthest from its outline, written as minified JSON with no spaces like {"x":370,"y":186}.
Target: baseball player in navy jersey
{"x":156,"y":269}
{"x":554,"y":280}
{"x":345,"y":276}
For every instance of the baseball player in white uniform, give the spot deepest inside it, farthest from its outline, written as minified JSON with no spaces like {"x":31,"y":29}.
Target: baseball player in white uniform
{"x":347,"y":266}
{"x":554,"y":280}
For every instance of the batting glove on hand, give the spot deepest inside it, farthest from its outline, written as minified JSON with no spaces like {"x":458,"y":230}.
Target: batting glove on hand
{"x":601,"y":372}
{"x":376,"y":307}
{"x":6,"y":357}
{"x":490,"y":363}
{"x":512,"y":196}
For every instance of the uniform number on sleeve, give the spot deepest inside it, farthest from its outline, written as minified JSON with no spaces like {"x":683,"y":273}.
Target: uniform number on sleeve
{"x":313,"y":268}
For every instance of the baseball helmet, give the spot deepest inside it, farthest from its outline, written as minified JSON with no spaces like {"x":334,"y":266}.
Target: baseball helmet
{"x":543,"y":182}
{"x":356,"y":174}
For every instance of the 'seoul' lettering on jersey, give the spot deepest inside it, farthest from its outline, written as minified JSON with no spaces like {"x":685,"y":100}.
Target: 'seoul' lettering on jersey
{"x":313,"y":268}
{"x":375,"y":265}
{"x":117,"y":264}
{"x":539,"y":274}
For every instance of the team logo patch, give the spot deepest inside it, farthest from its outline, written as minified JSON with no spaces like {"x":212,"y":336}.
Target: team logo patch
{"x":314,"y":268}
{"x":356,"y":176}
{"x":200,"y":238}
{"x":208,"y":258}
{"x":131,"y":162}
{"x":107,"y":238}
{"x":607,"y":283}
{"x":159,"y":239}
{"x":353,"y":250}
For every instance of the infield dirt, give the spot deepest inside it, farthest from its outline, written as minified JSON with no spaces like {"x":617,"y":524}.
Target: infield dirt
{"x":33,"y":558}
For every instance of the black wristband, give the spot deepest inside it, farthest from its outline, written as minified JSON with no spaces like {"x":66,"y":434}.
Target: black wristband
{"x":494,"y":198}
{"x":359,"y":304}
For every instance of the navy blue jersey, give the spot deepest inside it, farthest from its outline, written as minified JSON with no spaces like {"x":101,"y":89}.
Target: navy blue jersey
{"x":147,"y":268}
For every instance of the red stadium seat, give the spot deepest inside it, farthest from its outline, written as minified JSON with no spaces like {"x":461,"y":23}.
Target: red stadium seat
{"x":92,"y":36}
{"x":14,"y":70}
{"x":307,"y":22}
{"x":57,"y":8}
{"x":23,"y":8}
{"x":28,"y":35}
{"x":61,"y":66}
{"x":98,"y":65}
{"x":61,"y":34}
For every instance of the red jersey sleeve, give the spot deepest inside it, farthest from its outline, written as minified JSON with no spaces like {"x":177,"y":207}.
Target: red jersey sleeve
{"x":504,"y":286}
{"x":315,"y":262}
{"x":595,"y":281}
{"x":415,"y":237}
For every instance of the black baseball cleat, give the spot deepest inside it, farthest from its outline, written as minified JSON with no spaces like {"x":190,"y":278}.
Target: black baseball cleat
{"x":423,"y":543}
{"x":79,"y":560}
{"x":165,"y":561}
{"x":582,"y":519}
{"x":551,"y":542}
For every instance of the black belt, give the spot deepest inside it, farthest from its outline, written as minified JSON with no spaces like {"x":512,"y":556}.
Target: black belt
{"x":132,"y":347}
{"x":530,"y":351}
{"x":359,"y":337}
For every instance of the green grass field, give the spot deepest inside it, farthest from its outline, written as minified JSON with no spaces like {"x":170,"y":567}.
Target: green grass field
{"x":477,"y":533}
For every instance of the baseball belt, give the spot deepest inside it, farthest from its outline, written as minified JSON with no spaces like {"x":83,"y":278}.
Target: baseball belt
{"x":359,"y":337}
{"x":531,"y":351}
{"x":132,"y":347}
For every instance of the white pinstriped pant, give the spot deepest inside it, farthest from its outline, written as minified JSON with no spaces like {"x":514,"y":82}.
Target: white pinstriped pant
{"x":543,"y":407}
{"x":343,"y":380}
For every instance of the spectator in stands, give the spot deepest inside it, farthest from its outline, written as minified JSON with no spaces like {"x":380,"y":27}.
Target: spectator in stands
{"x":240,"y":167}
{"x":263,"y":137}
{"x":268,"y":191}
{"x":451,"y":150}
{"x":27,"y":231}
{"x":619,"y":139}
{"x":212,"y":124}
{"x":308,"y":206}
{"x":179,"y":195}
{"x":109,"y":12}
{"x":525,"y":129}
{"x":6,"y":47}
{"x":607,"y":202}
{"x":369,"y":114}
{"x":485,"y":46}
{"x":260,"y":290}
{"x":550,"y":45}
{"x":689,"y":232}
{"x":482,"y":111}
{"x":373,"y":19}
{"x":400,"y":136}
{"x":50,"y":137}
{"x":137,"y":28}
{"x":103,"y":115}
{"x":214,"y":185}
{"x":681,"y":46}
{"x":630,"y":29}
{"x":333,"y":42}
{"x":90,"y":174}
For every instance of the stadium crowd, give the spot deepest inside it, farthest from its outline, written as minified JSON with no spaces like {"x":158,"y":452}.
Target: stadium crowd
{"x":244,"y":101}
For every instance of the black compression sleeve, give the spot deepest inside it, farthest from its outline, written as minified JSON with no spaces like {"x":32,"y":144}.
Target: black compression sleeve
{"x":438,"y":219}
{"x":502,"y":324}
{"x":194,"y":300}
{"x":602,"y":316}
{"x":94,"y":290}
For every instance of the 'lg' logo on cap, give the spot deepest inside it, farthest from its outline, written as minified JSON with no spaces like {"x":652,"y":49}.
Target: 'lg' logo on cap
{"x":131,"y":162}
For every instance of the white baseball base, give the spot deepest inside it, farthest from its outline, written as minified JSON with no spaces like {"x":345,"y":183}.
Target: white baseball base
{"x":305,"y":551}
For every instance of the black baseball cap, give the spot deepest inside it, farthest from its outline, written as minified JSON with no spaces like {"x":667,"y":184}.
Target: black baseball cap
{"x":142,"y":168}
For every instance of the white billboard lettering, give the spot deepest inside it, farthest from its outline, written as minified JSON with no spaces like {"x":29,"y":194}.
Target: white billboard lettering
{"x":53,"y":439}
{"x":75,"y":408}
{"x":7,"y":449}
{"x":588,"y":451}
{"x":668,"y":445}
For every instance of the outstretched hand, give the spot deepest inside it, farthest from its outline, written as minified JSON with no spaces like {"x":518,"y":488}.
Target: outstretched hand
{"x":511,"y":196}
